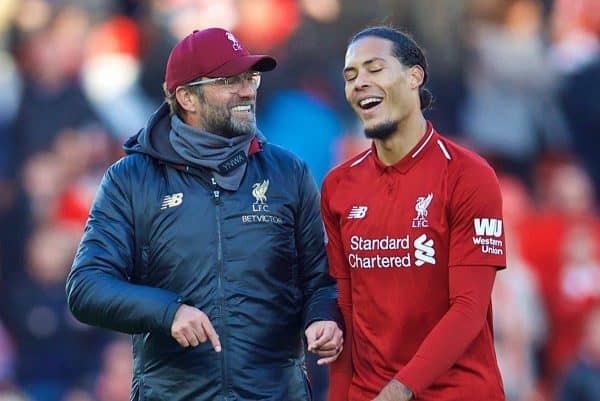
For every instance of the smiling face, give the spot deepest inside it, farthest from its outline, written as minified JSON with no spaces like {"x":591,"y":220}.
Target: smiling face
{"x":220,"y":110}
{"x":382,"y":91}
{"x":227,"y":114}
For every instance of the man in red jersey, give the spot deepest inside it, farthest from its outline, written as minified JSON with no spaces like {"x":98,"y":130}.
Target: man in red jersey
{"x":415,"y":237}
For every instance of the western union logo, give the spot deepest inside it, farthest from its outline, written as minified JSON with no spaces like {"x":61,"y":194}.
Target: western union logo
{"x":488,"y":227}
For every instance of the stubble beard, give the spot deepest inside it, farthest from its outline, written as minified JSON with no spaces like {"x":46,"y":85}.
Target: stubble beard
{"x":382,"y":131}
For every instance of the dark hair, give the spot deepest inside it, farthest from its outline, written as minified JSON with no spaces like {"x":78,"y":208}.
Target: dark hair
{"x":406,"y":51}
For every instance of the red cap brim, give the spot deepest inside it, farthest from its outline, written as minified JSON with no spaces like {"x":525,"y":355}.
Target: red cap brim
{"x":239,"y":65}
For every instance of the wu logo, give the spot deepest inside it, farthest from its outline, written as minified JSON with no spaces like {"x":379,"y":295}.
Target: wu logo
{"x":488,"y":227}
{"x":172,"y":201}
{"x":421,"y":207}
{"x":424,"y":251}
{"x":259,"y":191}
{"x":358,"y":212}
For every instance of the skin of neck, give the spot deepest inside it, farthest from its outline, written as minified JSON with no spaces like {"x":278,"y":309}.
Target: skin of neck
{"x":410,"y":131}
{"x":192,"y":119}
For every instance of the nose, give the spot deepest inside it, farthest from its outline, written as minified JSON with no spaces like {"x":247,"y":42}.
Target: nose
{"x":247,"y":90}
{"x":361,"y":81}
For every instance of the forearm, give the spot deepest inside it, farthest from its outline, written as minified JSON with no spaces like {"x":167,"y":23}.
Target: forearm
{"x":453,"y":334}
{"x":340,"y":371}
{"x":100,"y":299}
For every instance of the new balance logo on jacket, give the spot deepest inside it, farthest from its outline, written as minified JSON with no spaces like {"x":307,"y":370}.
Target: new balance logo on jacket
{"x":172,"y":200}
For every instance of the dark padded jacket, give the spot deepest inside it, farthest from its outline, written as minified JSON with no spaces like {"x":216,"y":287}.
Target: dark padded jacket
{"x":161,"y":233}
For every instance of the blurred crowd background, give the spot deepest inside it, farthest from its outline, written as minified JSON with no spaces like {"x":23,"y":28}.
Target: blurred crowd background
{"x":516,"y":80}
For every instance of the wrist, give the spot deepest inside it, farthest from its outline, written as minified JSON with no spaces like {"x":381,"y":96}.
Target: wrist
{"x":406,"y":393}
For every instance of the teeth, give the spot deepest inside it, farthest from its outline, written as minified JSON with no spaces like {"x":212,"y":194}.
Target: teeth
{"x":242,"y":108}
{"x":369,"y":101}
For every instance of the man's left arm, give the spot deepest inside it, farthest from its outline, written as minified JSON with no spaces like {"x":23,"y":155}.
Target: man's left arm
{"x":470,"y":293}
{"x":322,"y":318}
{"x":476,"y":201}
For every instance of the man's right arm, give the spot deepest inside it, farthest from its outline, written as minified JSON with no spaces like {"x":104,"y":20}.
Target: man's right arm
{"x":98,"y":288}
{"x":340,"y":371}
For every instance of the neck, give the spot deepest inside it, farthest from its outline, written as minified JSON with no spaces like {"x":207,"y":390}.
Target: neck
{"x":410,"y":131}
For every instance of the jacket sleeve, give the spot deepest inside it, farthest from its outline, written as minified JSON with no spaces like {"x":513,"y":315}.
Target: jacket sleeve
{"x":99,"y":291}
{"x":318,"y":287}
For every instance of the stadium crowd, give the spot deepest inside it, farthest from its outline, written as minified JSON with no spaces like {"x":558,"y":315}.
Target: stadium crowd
{"x":516,"y":80}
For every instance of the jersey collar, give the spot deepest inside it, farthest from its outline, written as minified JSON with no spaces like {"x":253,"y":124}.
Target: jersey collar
{"x":415,"y":154}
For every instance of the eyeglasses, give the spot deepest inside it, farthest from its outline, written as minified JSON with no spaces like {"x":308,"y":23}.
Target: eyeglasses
{"x":233,"y":84}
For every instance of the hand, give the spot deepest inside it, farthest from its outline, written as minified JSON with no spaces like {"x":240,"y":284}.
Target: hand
{"x":394,"y":391}
{"x":325,"y":339}
{"x":191,"y":327}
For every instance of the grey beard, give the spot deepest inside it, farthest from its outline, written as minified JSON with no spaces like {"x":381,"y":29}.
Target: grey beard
{"x":382,"y":131}
{"x":230,"y":129}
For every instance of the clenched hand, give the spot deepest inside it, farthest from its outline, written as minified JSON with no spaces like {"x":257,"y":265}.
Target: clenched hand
{"x":325,"y":339}
{"x":192,"y":327}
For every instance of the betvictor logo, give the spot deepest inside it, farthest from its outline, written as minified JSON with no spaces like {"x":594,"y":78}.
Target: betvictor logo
{"x":488,"y":227}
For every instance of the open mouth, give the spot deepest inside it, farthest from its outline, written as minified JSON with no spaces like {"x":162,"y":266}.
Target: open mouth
{"x":242,"y":108}
{"x":370,"y":102}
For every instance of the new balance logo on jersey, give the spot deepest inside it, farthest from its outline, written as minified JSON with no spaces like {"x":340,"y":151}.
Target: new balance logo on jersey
{"x":172,"y":201}
{"x":358,"y":212}
{"x":488,"y":227}
{"x":424,"y":251}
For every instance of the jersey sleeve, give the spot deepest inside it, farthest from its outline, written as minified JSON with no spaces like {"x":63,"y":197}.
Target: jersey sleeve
{"x":475,"y":219}
{"x":470,"y":292}
{"x":340,"y":371}
{"x":338,"y":266}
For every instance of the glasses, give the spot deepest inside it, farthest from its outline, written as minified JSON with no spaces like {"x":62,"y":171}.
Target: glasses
{"x":233,"y":84}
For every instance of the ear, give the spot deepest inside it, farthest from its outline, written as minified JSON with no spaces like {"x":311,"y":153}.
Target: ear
{"x":416,"y":76}
{"x":186,"y":99}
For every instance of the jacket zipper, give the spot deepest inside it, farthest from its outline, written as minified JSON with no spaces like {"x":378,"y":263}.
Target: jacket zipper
{"x":217,"y":199}
{"x":216,"y":194}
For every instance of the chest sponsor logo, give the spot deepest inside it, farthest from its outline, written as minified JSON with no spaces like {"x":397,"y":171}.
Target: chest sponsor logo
{"x":487,"y":234}
{"x":260,"y":207}
{"x":390,"y":252}
{"x":358,"y":212}
{"x":424,"y":251}
{"x":172,"y":201}
{"x":421,"y":206}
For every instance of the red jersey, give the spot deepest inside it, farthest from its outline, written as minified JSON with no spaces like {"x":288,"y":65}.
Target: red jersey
{"x":395,"y":231}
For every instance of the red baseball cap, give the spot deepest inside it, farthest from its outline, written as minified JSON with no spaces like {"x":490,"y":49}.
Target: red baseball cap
{"x":212,"y":52}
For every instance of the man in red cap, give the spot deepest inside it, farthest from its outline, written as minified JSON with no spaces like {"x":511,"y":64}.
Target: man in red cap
{"x":205,"y":242}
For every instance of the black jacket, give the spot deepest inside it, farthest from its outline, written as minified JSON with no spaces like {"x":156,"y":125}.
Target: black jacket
{"x":161,"y":233}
